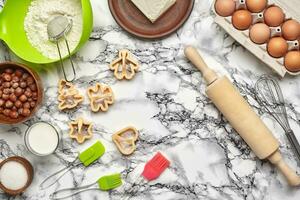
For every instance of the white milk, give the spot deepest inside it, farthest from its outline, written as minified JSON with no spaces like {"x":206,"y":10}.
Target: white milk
{"x":42,"y":138}
{"x":13,"y":175}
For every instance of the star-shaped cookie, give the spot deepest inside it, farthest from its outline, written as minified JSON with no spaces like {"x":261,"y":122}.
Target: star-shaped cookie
{"x":80,"y":130}
{"x":101,"y":96}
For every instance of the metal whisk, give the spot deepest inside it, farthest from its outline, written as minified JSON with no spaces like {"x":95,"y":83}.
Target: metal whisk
{"x":270,"y":96}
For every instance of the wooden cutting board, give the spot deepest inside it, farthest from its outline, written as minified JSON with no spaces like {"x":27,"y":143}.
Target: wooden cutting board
{"x":130,"y":18}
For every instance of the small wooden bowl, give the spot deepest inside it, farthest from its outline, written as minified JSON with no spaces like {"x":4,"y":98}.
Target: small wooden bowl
{"x":29,"y":170}
{"x":7,"y":120}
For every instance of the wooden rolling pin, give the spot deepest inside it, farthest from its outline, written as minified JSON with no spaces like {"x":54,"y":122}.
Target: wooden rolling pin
{"x":242,"y":117}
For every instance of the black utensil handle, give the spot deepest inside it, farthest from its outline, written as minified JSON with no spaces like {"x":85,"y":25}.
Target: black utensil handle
{"x":294,"y":142}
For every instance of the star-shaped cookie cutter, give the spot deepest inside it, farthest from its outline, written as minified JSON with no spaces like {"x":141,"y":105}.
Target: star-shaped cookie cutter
{"x":80,"y":130}
{"x":69,"y":96}
{"x":125,"y":140}
{"x":101,"y":96}
{"x":124,"y":66}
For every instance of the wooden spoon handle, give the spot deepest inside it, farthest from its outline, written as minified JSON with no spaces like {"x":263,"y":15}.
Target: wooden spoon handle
{"x":290,"y":175}
{"x":192,"y":54}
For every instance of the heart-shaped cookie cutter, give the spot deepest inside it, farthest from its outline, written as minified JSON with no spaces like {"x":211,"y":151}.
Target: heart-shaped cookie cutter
{"x":80,"y":130}
{"x":101,"y":96}
{"x":69,"y":96}
{"x":125,"y":140}
{"x":125,"y":66}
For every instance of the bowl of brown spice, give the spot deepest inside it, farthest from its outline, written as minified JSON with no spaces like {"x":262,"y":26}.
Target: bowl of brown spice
{"x":21,"y":93}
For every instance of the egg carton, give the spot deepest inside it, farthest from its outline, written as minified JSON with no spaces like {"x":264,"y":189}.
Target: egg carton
{"x":276,"y":64}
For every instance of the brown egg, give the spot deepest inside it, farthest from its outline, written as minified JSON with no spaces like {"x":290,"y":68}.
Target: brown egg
{"x":291,"y":29}
{"x":274,"y":16}
{"x":292,"y":61}
{"x":225,"y":8}
{"x":241,"y":19}
{"x":277,"y":47}
{"x":256,"y":6}
{"x":259,"y":33}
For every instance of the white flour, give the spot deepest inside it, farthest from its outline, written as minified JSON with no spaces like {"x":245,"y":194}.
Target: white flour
{"x":40,"y":13}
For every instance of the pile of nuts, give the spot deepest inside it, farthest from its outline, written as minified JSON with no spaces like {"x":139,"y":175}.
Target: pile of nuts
{"x":18,"y":93}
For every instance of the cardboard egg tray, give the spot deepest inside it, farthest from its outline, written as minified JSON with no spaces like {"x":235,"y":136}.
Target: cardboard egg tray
{"x":289,"y":7}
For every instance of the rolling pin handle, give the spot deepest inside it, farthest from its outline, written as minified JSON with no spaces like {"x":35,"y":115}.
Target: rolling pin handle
{"x":290,"y":175}
{"x":192,"y":54}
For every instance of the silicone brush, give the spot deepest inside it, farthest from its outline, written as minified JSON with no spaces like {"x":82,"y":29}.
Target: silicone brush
{"x":152,"y":170}
{"x":104,"y":183}
{"x":85,"y":158}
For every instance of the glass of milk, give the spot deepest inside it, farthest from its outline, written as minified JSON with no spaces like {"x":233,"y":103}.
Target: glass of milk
{"x":41,"y":139}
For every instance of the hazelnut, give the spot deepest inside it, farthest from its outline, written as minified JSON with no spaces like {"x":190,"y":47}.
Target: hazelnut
{"x":9,"y":104}
{"x":25,"y":75}
{"x":32,"y":104}
{"x":26,"y":105}
{"x":23,"y":98}
{"x":23,"y":85}
{"x":13,"y":97}
{"x":14,"y":108}
{"x":19,"y":73}
{"x":34,"y":96}
{"x":29,"y":99}
{"x":7,"y":77}
{"x":8,"y":70}
{"x":6,"y":84}
{"x":15,"y":85}
{"x":18,"y":91}
{"x":2,"y":102}
{"x":18,"y":104}
{"x":15,"y":79}
{"x":5,"y":97}
{"x":32,"y":87}
{"x":26,"y":112}
{"x":28,"y":93}
{"x":1,"y":92}
{"x":13,"y":114}
{"x":6,"y":91}
{"x":30,"y":80}
{"x":20,"y":111}
{"x":6,"y":112}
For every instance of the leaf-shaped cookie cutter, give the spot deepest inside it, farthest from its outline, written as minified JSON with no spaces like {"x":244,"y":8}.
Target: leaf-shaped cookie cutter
{"x":119,"y":138}
{"x":69,"y":96}
{"x":80,"y":130}
{"x":124,"y":66}
{"x":101,"y":96}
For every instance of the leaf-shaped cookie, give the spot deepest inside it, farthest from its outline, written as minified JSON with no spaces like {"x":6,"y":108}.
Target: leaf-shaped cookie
{"x":124,"y":66}
{"x":80,"y":130}
{"x":101,"y":96}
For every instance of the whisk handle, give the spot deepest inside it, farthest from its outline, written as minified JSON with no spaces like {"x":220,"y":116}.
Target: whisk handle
{"x":290,"y":175}
{"x":294,"y":142}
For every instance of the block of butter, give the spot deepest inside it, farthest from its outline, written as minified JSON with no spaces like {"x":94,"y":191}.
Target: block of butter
{"x":153,"y":9}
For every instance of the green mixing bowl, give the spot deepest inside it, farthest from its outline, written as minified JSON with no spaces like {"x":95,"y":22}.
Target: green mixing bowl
{"x":13,"y":34}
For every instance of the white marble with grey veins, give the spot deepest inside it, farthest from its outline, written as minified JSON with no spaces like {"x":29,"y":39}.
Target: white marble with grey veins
{"x":167,"y":103}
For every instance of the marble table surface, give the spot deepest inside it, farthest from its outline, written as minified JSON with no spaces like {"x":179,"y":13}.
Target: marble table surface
{"x":166,"y":102}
